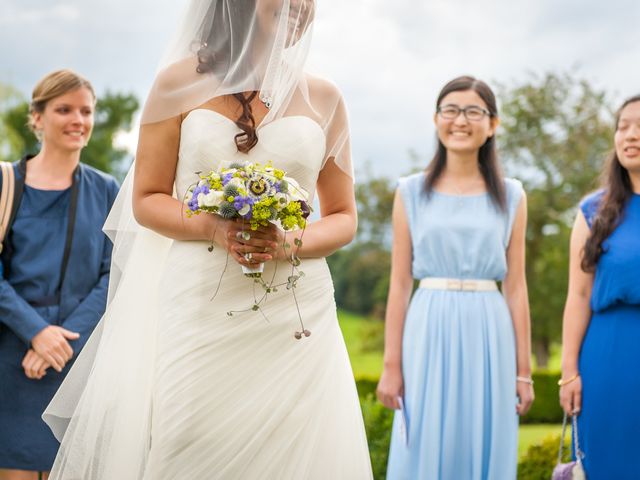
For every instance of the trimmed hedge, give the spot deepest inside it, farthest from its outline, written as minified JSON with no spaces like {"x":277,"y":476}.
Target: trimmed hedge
{"x":537,"y":464}
{"x":540,"y":460}
{"x":545,"y":408}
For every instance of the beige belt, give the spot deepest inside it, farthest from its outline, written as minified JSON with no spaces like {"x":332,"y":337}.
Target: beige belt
{"x":466,"y":285}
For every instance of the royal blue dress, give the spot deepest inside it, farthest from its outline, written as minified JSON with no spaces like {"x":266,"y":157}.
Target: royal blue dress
{"x":609,"y":423}
{"x":31,"y":275}
{"x":458,"y":347}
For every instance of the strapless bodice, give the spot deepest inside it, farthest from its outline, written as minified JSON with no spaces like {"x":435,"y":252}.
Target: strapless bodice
{"x":295,"y":144}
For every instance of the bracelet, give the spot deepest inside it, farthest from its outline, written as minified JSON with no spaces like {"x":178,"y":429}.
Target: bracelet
{"x":562,"y":382}
{"x":528,"y":380}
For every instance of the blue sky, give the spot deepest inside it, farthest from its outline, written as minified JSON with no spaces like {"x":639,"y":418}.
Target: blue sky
{"x":389,"y":57}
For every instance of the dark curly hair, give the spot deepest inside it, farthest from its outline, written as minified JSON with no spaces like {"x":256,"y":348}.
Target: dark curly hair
{"x":217,"y":54}
{"x":487,"y":157}
{"x":617,"y":188}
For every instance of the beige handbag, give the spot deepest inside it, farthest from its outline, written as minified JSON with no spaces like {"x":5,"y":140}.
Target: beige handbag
{"x":6,"y":198}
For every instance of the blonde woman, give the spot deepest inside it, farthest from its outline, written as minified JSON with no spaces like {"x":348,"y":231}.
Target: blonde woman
{"x":56,"y":270}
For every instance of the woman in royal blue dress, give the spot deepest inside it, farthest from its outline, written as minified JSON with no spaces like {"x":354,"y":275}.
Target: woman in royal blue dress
{"x":601,"y":325}
{"x":56,"y":270}
{"x":458,"y":355}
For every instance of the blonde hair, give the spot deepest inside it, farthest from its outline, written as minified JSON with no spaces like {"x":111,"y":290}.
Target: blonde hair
{"x":53,"y":85}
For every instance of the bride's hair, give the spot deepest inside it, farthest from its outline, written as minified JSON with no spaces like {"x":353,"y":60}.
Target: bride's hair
{"x":617,"y":192}
{"x":487,"y":156}
{"x":220,"y":42}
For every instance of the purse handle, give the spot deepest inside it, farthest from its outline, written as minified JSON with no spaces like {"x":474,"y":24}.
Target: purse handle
{"x":6,"y":198}
{"x":576,"y":445}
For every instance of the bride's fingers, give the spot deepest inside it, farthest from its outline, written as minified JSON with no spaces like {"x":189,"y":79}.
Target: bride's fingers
{"x":257,"y":247}
{"x":248,"y":255}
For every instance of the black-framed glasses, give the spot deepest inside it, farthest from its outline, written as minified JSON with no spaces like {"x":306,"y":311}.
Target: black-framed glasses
{"x":473,"y":113}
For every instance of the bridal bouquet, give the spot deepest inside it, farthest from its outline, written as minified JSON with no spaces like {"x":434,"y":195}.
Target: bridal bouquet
{"x":258,"y":194}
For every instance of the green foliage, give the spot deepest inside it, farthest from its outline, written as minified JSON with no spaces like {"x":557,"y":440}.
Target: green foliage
{"x":541,"y":458}
{"x":546,"y":406}
{"x":377,"y":422}
{"x":361,"y":278}
{"x":556,"y":130}
{"x":114,"y":114}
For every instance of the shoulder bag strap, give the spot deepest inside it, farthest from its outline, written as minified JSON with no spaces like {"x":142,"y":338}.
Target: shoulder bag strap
{"x":6,"y":198}
{"x":71,"y":222}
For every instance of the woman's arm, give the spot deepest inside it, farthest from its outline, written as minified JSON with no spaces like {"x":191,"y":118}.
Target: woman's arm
{"x":577,"y":313}
{"x":155,"y":208}
{"x":339,"y":217}
{"x":401,"y":284}
{"x":514,"y":289}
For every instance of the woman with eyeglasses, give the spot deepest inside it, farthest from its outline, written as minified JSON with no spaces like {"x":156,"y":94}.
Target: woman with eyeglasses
{"x":457,"y":357}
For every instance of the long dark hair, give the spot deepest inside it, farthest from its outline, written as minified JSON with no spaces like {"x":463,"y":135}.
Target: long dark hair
{"x":216,"y":56}
{"x":487,"y":156}
{"x":617,"y":188}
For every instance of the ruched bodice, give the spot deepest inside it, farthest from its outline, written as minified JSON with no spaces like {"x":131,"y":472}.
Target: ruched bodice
{"x":295,"y":144}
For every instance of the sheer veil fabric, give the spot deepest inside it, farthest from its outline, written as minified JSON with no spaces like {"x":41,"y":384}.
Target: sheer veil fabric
{"x":104,"y":412}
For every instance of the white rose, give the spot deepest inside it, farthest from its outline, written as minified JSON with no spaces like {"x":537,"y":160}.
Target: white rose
{"x":212,"y":199}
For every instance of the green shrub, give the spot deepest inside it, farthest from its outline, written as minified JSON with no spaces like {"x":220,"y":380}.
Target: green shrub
{"x":372,"y":336}
{"x":366,"y":387}
{"x":541,"y":458}
{"x":377,"y":422}
{"x":546,"y":407}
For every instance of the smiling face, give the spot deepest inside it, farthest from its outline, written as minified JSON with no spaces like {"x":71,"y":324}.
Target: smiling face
{"x":67,"y":120}
{"x":460,"y":134}
{"x":627,"y":137}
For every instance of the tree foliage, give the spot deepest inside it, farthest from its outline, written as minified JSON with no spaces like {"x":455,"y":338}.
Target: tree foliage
{"x":114,"y":114}
{"x":556,"y":131}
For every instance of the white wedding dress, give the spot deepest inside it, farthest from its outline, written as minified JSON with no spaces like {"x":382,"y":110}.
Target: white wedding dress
{"x":231,"y":397}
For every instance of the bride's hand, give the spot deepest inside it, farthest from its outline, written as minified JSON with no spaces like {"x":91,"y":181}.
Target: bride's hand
{"x":247,"y":247}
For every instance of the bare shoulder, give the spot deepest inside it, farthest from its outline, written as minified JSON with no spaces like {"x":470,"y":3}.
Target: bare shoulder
{"x":320,"y":87}
{"x":177,"y":74}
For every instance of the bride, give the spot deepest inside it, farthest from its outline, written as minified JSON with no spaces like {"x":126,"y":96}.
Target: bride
{"x":170,"y":386}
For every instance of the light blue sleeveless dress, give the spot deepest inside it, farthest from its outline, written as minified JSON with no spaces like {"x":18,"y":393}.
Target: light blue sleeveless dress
{"x":459,"y":359}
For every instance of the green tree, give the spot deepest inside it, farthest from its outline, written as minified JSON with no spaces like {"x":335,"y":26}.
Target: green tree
{"x":556,"y":130}
{"x":10,"y":140}
{"x":114,"y":114}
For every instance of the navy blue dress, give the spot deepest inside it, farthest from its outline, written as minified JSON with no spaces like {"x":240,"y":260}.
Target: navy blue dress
{"x":31,"y":274}
{"x":609,"y":424}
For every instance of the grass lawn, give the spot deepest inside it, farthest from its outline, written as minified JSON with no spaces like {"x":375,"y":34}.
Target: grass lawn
{"x":364,"y":363}
{"x":368,"y":363}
